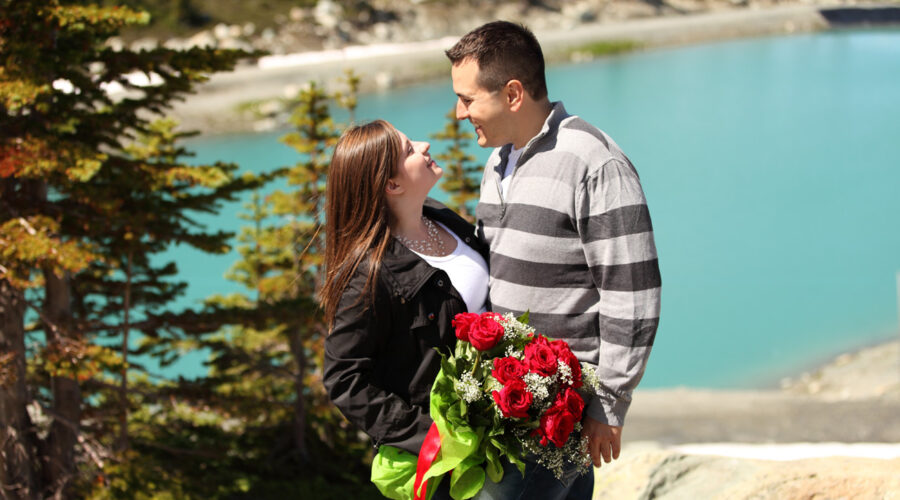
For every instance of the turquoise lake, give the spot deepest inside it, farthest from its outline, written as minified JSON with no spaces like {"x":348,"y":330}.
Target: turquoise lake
{"x":772,"y":171}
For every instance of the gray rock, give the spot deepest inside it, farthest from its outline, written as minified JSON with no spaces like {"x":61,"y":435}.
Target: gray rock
{"x":235,"y":44}
{"x":203,"y":39}
{"x":581,"y":12}
{"x":177,"y":44}
{"x":144,"y":44}
{"x":297,"y":14}
{"x":382,"y":32}
{"x":115,"y":43}
{"x":328,"y":13}
{"x":235,"y":31}
{"x":666,"y":475}
{"x":221,"y":31}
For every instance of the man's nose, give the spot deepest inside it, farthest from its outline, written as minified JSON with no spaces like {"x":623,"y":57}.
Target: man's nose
{"x":461,"y":112}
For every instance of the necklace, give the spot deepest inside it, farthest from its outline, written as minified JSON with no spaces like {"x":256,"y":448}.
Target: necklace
{"x":432,"y":245}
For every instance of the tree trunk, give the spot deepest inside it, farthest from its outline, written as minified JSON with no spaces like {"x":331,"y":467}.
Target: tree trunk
{"x":123,"y":381}
{"x":296,"y":340}
{"x":66,"y":392}
{"x":18,"y":478}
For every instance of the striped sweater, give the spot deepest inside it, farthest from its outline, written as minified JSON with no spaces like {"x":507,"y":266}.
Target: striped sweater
{"x":571,"y":242}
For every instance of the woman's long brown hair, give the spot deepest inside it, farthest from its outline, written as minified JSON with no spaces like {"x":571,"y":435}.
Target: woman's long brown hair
{"x":356,"y":210}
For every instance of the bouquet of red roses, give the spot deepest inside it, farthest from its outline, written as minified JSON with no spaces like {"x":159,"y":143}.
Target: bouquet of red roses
{"x":505,"y":391}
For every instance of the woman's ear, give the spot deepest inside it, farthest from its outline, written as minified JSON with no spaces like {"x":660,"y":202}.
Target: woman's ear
{"x":515,"y":94}
{"x":393,"y":188}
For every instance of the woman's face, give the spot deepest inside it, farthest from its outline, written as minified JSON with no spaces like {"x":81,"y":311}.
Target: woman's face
{"x":417,"y":173}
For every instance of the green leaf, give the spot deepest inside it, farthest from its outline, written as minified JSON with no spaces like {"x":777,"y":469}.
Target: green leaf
{"x":524,"y":317}
{"x":494,"y":467}
{"x":448,"y":366}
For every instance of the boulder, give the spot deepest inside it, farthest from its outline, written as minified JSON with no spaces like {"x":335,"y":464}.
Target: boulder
{"x":661,"y":474}
{"x":144,"y":44}
{"x":328,"y":13}
{"x":221,"y":31}
{"x":203,"y":39}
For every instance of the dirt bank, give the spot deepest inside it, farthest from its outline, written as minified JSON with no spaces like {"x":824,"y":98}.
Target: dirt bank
{"x":214,"y":109}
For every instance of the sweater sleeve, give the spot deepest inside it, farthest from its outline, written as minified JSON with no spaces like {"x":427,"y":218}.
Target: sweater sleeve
{"x":617,"y":236}
{"x":351,"y":351}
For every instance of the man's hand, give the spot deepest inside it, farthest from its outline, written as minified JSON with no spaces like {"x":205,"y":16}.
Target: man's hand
{"x":603,"y":440}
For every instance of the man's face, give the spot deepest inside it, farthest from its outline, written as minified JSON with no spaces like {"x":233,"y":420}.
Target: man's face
{"x":485,"y":109}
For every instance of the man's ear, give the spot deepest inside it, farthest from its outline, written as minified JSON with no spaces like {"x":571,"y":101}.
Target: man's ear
{"x":515,"y":94}
{"x":393,"y":188}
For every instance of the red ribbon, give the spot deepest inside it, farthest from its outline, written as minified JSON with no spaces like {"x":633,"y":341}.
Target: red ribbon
{"x":427,"y":453}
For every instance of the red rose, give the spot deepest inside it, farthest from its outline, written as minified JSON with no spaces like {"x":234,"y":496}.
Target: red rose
{"x":572,"y":402}
{"x":508,"y":369}
{"x":514,"y":399}
{"x":558,"y":422}
{"x":485,"y":332}
{"x":556,"y":425}
{"x":540,"y":357}
{"x":463,"y":323}
{"x":564,"y":354}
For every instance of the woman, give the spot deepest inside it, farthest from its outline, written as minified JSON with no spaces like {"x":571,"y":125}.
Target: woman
{"x":399,"y":267}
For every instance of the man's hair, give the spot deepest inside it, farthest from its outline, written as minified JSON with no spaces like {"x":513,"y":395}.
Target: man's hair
{"x":504,"y":51}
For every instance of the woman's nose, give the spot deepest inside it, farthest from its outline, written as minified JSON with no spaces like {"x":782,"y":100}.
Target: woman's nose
{"x":424,"y":147}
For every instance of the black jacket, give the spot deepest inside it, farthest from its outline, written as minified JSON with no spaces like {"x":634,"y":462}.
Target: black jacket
{"x":380,"y":362}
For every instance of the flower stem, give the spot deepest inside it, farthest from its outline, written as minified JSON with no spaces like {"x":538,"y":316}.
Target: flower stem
{"x":477,"y":362}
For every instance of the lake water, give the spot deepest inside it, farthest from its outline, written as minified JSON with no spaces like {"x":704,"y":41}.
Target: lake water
{"x":772,"y":171}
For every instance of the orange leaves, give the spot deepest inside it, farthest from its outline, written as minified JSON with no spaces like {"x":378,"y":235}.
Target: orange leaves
{"x":28,"y":243}
{"x":33,"y":157}
{"x":18,"y":158}
{"x":78,"y":359}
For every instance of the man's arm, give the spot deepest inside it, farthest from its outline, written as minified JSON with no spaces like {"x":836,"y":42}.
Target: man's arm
{"x":617,"y":236}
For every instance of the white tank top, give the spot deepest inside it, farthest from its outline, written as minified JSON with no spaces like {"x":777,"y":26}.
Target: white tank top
{"x":467,"y":271}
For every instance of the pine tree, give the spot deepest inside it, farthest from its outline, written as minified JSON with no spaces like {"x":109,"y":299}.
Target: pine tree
{"x":459,"y":167}
{"x":267,"y":364}
{"x":64,"y":135}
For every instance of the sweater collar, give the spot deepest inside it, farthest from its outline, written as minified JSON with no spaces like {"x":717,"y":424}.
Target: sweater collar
{"x":551,"y":124}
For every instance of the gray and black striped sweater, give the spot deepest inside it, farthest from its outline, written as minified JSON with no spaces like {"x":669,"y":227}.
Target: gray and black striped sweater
{"x":572,"y":243}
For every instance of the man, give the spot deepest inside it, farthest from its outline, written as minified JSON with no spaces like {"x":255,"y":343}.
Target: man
{"x":569,"y":231}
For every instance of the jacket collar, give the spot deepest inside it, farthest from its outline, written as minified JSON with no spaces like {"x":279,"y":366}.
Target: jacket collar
{"x":406,"y":271}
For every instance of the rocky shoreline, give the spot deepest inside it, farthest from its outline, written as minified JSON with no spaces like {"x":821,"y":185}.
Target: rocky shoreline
{"x":829,"y":433}
{"x":406,"y":47}
{"x":853,"y":398}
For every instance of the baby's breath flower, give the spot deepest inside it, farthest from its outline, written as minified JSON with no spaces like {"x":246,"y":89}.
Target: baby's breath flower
{"x":589,"y":377}
{"x":468,"y":388}
{"x":537,"y":385}
{"x":511,"y":351}
{"x":513,"y":328}
{"x":564,"y":373}
{"x":573,"y":454}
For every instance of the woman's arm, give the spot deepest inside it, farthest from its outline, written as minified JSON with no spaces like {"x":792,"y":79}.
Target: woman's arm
{"x":351,"y":351}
